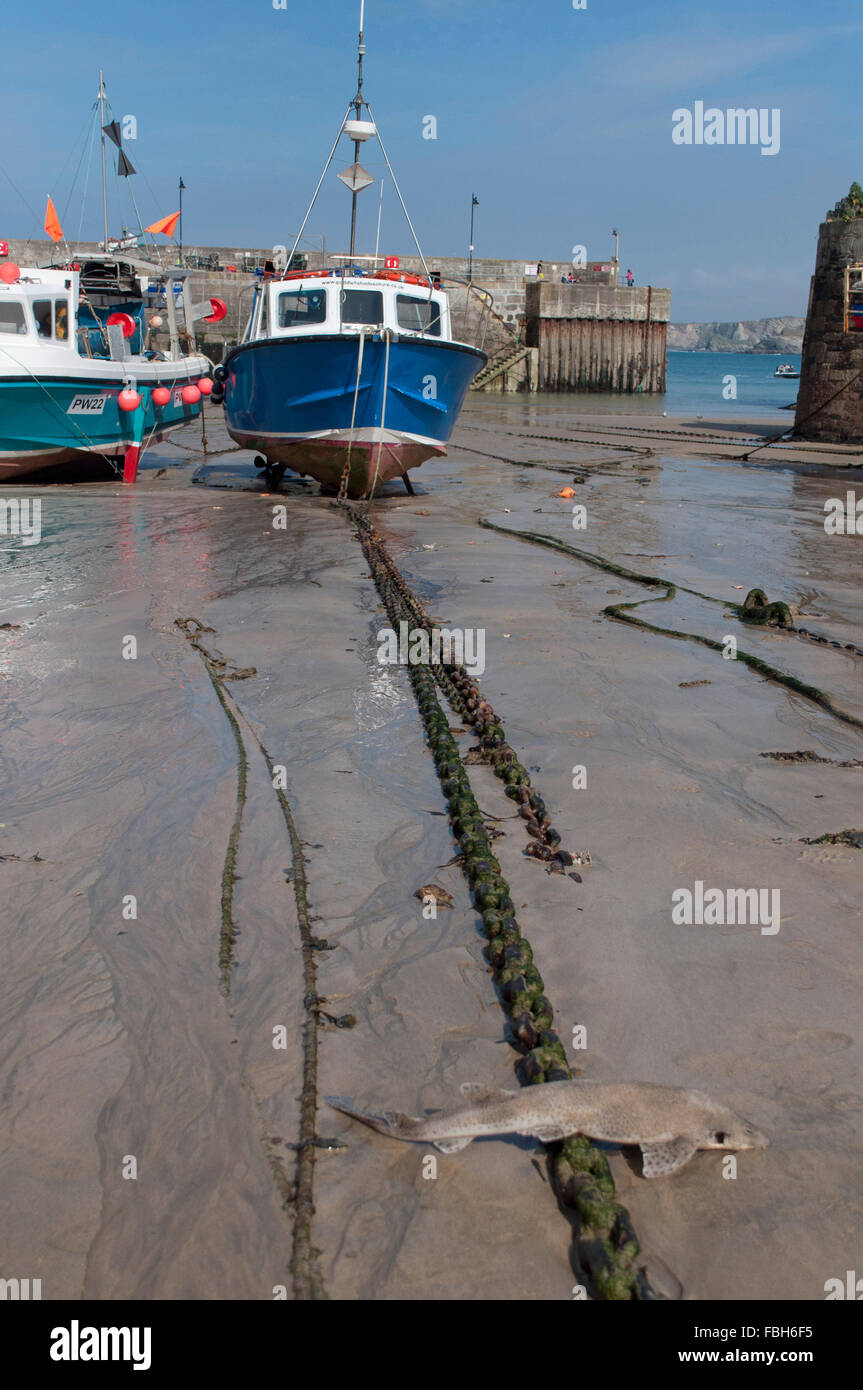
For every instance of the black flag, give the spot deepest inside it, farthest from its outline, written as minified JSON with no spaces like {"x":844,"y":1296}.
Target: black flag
{"x":113,"y":132}
{"x":124,"y":167}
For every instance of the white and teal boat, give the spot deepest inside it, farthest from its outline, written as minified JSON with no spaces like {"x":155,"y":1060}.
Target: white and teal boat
{"x":76,"y":374}
{"x":81,"y":368}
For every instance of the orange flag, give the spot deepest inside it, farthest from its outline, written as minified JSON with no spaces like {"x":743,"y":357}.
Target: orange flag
{"x":52,"y":222}
{"x":165,"y":225}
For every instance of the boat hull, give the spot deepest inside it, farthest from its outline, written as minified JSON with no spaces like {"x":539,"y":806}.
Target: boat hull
{"x":53,"y":420}
{"x":298,"y":402}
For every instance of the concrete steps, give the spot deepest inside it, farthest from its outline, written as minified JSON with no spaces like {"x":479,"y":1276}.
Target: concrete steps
{"x":502,"y":361}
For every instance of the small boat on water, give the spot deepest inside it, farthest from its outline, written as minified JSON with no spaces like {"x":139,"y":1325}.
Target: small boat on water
{"x":80,"y":372}
{"x":349,"y":373}
{"x":786,"y":371}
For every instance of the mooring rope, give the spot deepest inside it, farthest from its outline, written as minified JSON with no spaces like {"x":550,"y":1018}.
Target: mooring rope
{"x":793,"y":433}
{"x":308,"y":1284}
{"x":386,"y":335}
{"x":620,"y":612}
{"x":593,"y":467}
{"x":192,"y":629}
{"x":343,"y":485}
{"x":307,"y":1281}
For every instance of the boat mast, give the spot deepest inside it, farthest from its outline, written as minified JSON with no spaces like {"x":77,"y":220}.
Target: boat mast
{"x":104,"y":179}
{"x":358,"y":103}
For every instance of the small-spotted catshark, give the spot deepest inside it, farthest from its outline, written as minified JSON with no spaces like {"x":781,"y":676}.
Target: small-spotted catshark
{"x":668,"y":1123}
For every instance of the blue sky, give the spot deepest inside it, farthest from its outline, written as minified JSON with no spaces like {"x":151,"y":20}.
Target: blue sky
{"x":559,"y":119}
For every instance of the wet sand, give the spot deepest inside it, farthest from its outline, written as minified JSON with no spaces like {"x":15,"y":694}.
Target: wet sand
{"x":120,"y":775}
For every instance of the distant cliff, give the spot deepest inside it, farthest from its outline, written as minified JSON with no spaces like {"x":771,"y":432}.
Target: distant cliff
{"x":760,"y":335}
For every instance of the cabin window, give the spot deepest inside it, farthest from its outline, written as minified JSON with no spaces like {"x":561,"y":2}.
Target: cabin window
{"x":61,"y":319}
{"x":12,"y":317}
{"x":42,"y":315}
{"x":418,"y":315}
{"x":362,"y":306}
{"x":299,"y":308}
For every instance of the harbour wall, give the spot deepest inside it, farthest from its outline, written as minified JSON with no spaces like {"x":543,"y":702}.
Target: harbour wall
{"x":831,"y":373}
{"x":504,"y":281}
{"x":591,"y":335}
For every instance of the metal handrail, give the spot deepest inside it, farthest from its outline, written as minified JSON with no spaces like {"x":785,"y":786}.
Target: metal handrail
{"x":487,"y":308}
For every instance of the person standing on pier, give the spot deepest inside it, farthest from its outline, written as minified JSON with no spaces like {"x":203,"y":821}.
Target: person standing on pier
{"x":630,"y":279}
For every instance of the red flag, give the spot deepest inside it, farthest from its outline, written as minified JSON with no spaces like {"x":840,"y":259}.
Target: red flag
{"x":52,"y":222}
{"x":165,"y":225}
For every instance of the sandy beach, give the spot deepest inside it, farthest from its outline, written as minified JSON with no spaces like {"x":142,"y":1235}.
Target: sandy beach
{"x":120,"y":776}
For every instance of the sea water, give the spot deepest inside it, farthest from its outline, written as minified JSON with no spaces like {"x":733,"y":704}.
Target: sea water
{"x":715,"y":385}
{"x":735,"y":383}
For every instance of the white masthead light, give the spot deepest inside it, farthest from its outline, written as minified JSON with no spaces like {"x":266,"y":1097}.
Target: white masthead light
{"x":360,"y":130}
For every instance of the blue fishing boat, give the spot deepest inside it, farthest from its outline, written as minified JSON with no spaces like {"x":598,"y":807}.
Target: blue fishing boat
{"x":349,"y":374}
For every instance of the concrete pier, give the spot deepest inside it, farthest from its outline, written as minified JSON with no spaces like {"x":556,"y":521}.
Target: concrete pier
{"x":597,"y":337}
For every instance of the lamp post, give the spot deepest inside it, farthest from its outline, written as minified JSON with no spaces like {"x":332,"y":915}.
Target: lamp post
{"x":181,"y":218}
{"x":474,"y":203}
{"x":616,"y":234}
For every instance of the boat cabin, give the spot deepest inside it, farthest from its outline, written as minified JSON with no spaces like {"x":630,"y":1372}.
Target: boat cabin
{"x":39,"y":310}
{"x":95,"y":309}
{"x":328,"y":302}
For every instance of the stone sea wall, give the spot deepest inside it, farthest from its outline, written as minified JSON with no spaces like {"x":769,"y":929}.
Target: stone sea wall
{"x":504,"y":281}
{"x":490,"y":312}
{"x":831,"y":376}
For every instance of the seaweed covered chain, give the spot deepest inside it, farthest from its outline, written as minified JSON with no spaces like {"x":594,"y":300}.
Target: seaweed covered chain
{"x":605,"y":1246}
{"x":469,"y":703}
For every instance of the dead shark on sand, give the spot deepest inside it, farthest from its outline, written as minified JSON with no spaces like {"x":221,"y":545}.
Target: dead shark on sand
{"x":668,"y":1123}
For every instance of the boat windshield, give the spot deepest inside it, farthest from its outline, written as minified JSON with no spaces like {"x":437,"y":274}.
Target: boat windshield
{"x":12,"y":317}
{"x":297,"y":308}
{"x":52,"y":314}
{"x":42,"y":315}
{"x":418,"y":315}
{"x":362,"y":306}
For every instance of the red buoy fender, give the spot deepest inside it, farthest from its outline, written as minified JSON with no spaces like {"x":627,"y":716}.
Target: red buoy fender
{"x":126,"y":322}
